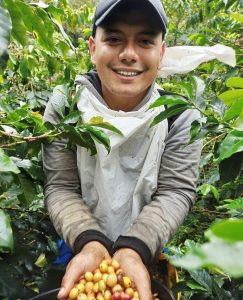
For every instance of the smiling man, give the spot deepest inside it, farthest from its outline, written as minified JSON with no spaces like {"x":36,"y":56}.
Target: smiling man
{"x":128,"y":203}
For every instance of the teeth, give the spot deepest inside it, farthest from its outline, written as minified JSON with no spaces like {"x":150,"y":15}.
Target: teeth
{"x":123,"y":73}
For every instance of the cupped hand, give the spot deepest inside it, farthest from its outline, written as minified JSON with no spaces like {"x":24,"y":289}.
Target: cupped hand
{"x":88,"y":259}
{"x":132,"y":265}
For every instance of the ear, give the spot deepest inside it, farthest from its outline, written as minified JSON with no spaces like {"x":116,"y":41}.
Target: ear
{"x":162,"y":52}
{"x":92,"y":48}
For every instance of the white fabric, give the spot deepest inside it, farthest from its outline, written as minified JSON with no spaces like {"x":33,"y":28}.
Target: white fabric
{"x":117,"y":185}
{"x":183,"y":59}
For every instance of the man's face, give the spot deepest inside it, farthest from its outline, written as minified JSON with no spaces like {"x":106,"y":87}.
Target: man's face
{"x":127,"y":55}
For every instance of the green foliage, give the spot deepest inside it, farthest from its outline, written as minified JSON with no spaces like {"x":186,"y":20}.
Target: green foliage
{"x":43,"y":46}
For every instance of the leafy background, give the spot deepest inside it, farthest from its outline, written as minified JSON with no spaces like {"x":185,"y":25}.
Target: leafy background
{"x":42,"y":48}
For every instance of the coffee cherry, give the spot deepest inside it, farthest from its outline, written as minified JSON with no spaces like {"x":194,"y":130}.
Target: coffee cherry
{"x":115,"y":264}
{"x":82,"y":297}
{"x":103,"y":267}
{"x":127,"y":282}
{"x":80,"y":287}
{"x":73,"y":293}
{"x":111,"y":280}
{"x":117,"y":288}
{"x":107,"y":295}
{"x":102,"y":286}
{"x":124,"y":296}
{"x":88,"y":276}
{"x":129,"y":292}
{"x":97,"y":276}
{"x":89,"y":287}
{"x":116,"y":296}
{"x":96,"y":288}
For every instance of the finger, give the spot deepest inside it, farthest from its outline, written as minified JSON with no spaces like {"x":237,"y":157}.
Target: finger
{"x":144,"y":289}
{"x":72,"y":275}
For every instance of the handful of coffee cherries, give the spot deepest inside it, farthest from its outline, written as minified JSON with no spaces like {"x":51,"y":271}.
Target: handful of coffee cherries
{"x":108,"y":282}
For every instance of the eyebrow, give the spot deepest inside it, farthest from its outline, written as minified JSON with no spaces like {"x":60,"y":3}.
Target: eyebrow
{"x":152,"y":33}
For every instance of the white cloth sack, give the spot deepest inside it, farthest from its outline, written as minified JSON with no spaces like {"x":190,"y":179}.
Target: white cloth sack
{"x":183,"y":59}
{"x":117,"y":185}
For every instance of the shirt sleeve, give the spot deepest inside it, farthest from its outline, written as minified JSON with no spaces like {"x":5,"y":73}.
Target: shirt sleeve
{"x":175,"y":193}
{"x":69,"y":214}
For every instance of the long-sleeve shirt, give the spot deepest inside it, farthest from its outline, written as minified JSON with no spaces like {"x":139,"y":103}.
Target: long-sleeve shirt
{"x":158,"y":220}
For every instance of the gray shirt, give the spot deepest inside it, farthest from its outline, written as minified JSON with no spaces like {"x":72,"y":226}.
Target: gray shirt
{"x":158,"y":220}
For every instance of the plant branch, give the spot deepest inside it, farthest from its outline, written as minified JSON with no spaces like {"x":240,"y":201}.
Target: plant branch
{"x":214,"y":139}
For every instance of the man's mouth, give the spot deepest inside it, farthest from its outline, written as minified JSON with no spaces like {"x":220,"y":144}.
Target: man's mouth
{"x":127,"y":73}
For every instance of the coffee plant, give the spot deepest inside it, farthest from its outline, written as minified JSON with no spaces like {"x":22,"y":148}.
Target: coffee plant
{"x":43,"y":46}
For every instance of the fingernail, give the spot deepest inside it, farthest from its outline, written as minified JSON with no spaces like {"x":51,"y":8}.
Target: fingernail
{"x":62,"y":290}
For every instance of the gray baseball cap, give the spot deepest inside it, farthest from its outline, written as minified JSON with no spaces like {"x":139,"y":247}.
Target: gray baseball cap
{"x":105,"y":8}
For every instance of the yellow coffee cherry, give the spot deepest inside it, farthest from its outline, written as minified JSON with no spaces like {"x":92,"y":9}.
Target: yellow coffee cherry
{"x":73,"y":293}
{"x":82,"y":297}
{"x":135,"y":295}
{"x":115,"y":264}
{"x":103,"y":267}
{"x":102,"y":286}
{"x":99,"y":296}
{"x":80,"y":287}
{"x":89,"y":287}
{"x":127,"y":282}
{"x":104,"y":277}
{"x":110,"y":270}
{"x":117,"y":288}
{"x":129,"y":291}
{"x":96,"y":288}
{"x":97,"y":276}
{"x":88,"y":276}
{"x":107,"y":295}
{"x":111,"y":280}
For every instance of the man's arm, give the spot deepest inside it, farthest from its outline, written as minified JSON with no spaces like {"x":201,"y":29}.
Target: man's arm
{"x":69,"y":214}
{"x":175,"y":194}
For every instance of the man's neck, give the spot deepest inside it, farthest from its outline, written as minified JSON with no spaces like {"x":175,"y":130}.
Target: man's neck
{"x":116,"y":102}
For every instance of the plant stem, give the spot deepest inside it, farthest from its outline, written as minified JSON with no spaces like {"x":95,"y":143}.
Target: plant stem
{"x":214,"y":139}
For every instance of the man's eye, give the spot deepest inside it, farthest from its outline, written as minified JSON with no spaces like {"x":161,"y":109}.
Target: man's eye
{"x":113,"y":40}
{"x":146,"y":42}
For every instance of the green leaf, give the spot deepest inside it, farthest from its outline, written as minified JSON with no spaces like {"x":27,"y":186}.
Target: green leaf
{"x":234,"y":111}
{"x":195,"y":286}
{"x":5,"y":29}
{"x":37,"y":21}
{"x":228,"y":257}
{"x":98,"y":135}
{"x":6,"y":164}
{"x":79,"y":138}
{"x":195,"y":130}
{"x":6,"y":234}
{"x":72,"y":118}
{"x":98,"y":122}
{"x":58,"y":99}
{"x":230,"y":96}
{"x":203,"y":278}
{"x":188,"y":88}
{"x":230,"y":167}
{"x":19,"y":30}
{"x":235,"y":82}
{"x":206,"y":188}
{"x":168,"y":100}
{"x":169,"y":112}
{"x":237,"y":16}
{"x":28,"y":188}
{"x":230,"y":230}
{"x":236,"y":204}
{"x":41,"y":261}
{"x":23,"y":67}
{"x":232,"y":143}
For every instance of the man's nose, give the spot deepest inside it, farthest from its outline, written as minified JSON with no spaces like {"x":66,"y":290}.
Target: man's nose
{"x":129,"y":53}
